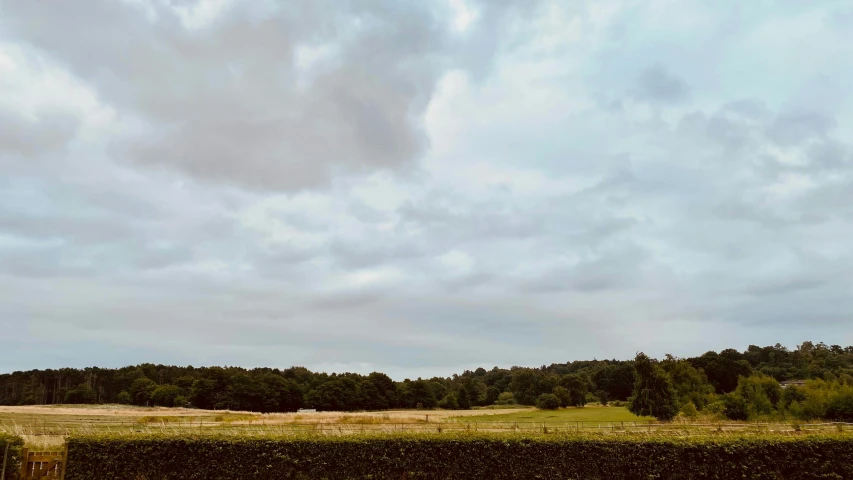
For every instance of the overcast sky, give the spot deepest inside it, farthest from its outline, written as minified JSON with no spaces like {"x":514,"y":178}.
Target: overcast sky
{"x":421,"y":187}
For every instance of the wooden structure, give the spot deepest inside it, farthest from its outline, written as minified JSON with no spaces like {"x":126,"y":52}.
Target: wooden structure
{"x":42,"y":465}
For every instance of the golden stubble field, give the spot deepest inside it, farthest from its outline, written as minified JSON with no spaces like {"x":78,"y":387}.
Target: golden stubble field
{"x":46,"y":426}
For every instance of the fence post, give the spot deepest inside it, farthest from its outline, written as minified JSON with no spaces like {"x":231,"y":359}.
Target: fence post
{"x":24,"y":454}
{"x":64,"y":461}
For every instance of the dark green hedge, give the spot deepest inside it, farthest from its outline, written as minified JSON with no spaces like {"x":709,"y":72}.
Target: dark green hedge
{"x":13,"y":455}
{"x":460,"y":457}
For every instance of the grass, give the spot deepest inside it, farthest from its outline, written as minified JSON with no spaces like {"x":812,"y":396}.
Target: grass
{"x":46,"y":428}
{"x":590,"y":414}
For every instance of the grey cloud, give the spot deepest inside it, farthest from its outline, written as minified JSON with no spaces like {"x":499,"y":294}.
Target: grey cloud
{"x":794,"y":127}
{"x":51,"y":131}
{"x":656,"y":84}
{"x":231,"y":103}
{"x":552,"y":220}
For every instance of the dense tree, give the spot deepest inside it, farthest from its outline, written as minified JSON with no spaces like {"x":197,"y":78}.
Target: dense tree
{"x":548,"y":401}
{"x":464,"y":400}
{"x":82,"y":394}
{"x":165,"y":396}
{"x":449,"y":402}
{"x":563,"y":395}
{"x":577,"y":387}
{"x":124,"y":398}
{"x":701,"y":381}
{"x":653,"y":392}
{"x":141,"y":390}
{"x":690,"y":383}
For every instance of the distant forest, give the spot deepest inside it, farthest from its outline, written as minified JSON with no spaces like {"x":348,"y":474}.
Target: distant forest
{"x":698,"y":380}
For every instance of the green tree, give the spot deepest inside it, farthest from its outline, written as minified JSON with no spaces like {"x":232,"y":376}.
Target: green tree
{"x":492,"y":394}
{"x":548,"y":401}
{"x":464,"y":400}
{"x":563,"y":395}
{"x":141,"y":390}
{"x":449,"y":402}
{"x":124,"y":398}
{"x":577,"y":387}
{"x":165,"y":395}
{"x":760,"y":394}
{"x":840,"y":404}
{"x":203,"y":393}
{"x":690,"y":383}
{"x":653,"y":392}
{"x":81,"y":395}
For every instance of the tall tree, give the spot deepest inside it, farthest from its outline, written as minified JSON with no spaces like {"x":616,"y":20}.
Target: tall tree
{"x":653,"y":392}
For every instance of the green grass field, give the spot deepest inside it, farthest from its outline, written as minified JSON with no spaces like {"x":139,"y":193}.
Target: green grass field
{"x":563,"y":415}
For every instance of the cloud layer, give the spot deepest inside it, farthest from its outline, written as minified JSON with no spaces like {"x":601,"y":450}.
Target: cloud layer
{"x":420,"y":187}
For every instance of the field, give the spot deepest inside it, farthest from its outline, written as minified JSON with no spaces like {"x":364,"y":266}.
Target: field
{"x":46,"y":427}
{"x":588,"y":414}
{"x":111,"y":441}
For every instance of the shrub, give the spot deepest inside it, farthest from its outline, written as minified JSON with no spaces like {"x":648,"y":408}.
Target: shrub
{"x":689,"y":410}
{"x":548,"y":401}
{"x":124,"y":398}
{"x":449,"y":402}
{"x":760,"y":394}
{"x":458,"y":456}
{"x":11,"y":445}
{"x":165,"y":395}
{"x":563,"y":395}
{"x":602,"y":397}
{"x":81,"y":395}
{"x":840,"y":405}
{"x":506,"y":398}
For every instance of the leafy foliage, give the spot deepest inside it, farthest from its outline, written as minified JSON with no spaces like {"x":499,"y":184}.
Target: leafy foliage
{"x":11,"y":446}
{"x":700,"y":380}
{"x":653,"y":392}
{"x":548,"y":401}
{"x":451,"y":457}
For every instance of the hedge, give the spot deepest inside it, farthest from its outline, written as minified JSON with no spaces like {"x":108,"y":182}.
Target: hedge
{"x":11,"y":446}
{"x":456,"y":456}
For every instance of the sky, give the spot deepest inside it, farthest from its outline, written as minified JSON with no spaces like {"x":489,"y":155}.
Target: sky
{"x":421,"y":187}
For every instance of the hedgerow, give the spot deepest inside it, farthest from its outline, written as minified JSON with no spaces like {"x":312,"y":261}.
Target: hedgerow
{"x":459,"y":456}
{"x":10,"y":445}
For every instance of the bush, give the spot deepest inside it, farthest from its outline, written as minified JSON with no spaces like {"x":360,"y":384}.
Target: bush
{"x":840,"y":405}
{"x":449,"y":402}
{"x":689,"y":410}
{"x":81,"y":395}
{"x":563,"y":395}
{"x":165,"y":395}
{"x":602,"y":397}
{"x":506,"y":398}
{"x":12,"y":445}
{"x":548,"y":401}
{"x":458,"y":456}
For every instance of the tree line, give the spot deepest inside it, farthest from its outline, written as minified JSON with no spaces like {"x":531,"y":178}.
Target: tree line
{"x":726,"y":383}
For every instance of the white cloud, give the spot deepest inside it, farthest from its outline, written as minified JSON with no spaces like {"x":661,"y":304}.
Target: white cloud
{"x":419,"y":188}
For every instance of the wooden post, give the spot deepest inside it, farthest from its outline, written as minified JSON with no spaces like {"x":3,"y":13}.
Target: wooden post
{"x":64,"y":461}
{"x":24,"y":453}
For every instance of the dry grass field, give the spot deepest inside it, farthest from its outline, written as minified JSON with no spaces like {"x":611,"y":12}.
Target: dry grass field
{"x":46,"y":427}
